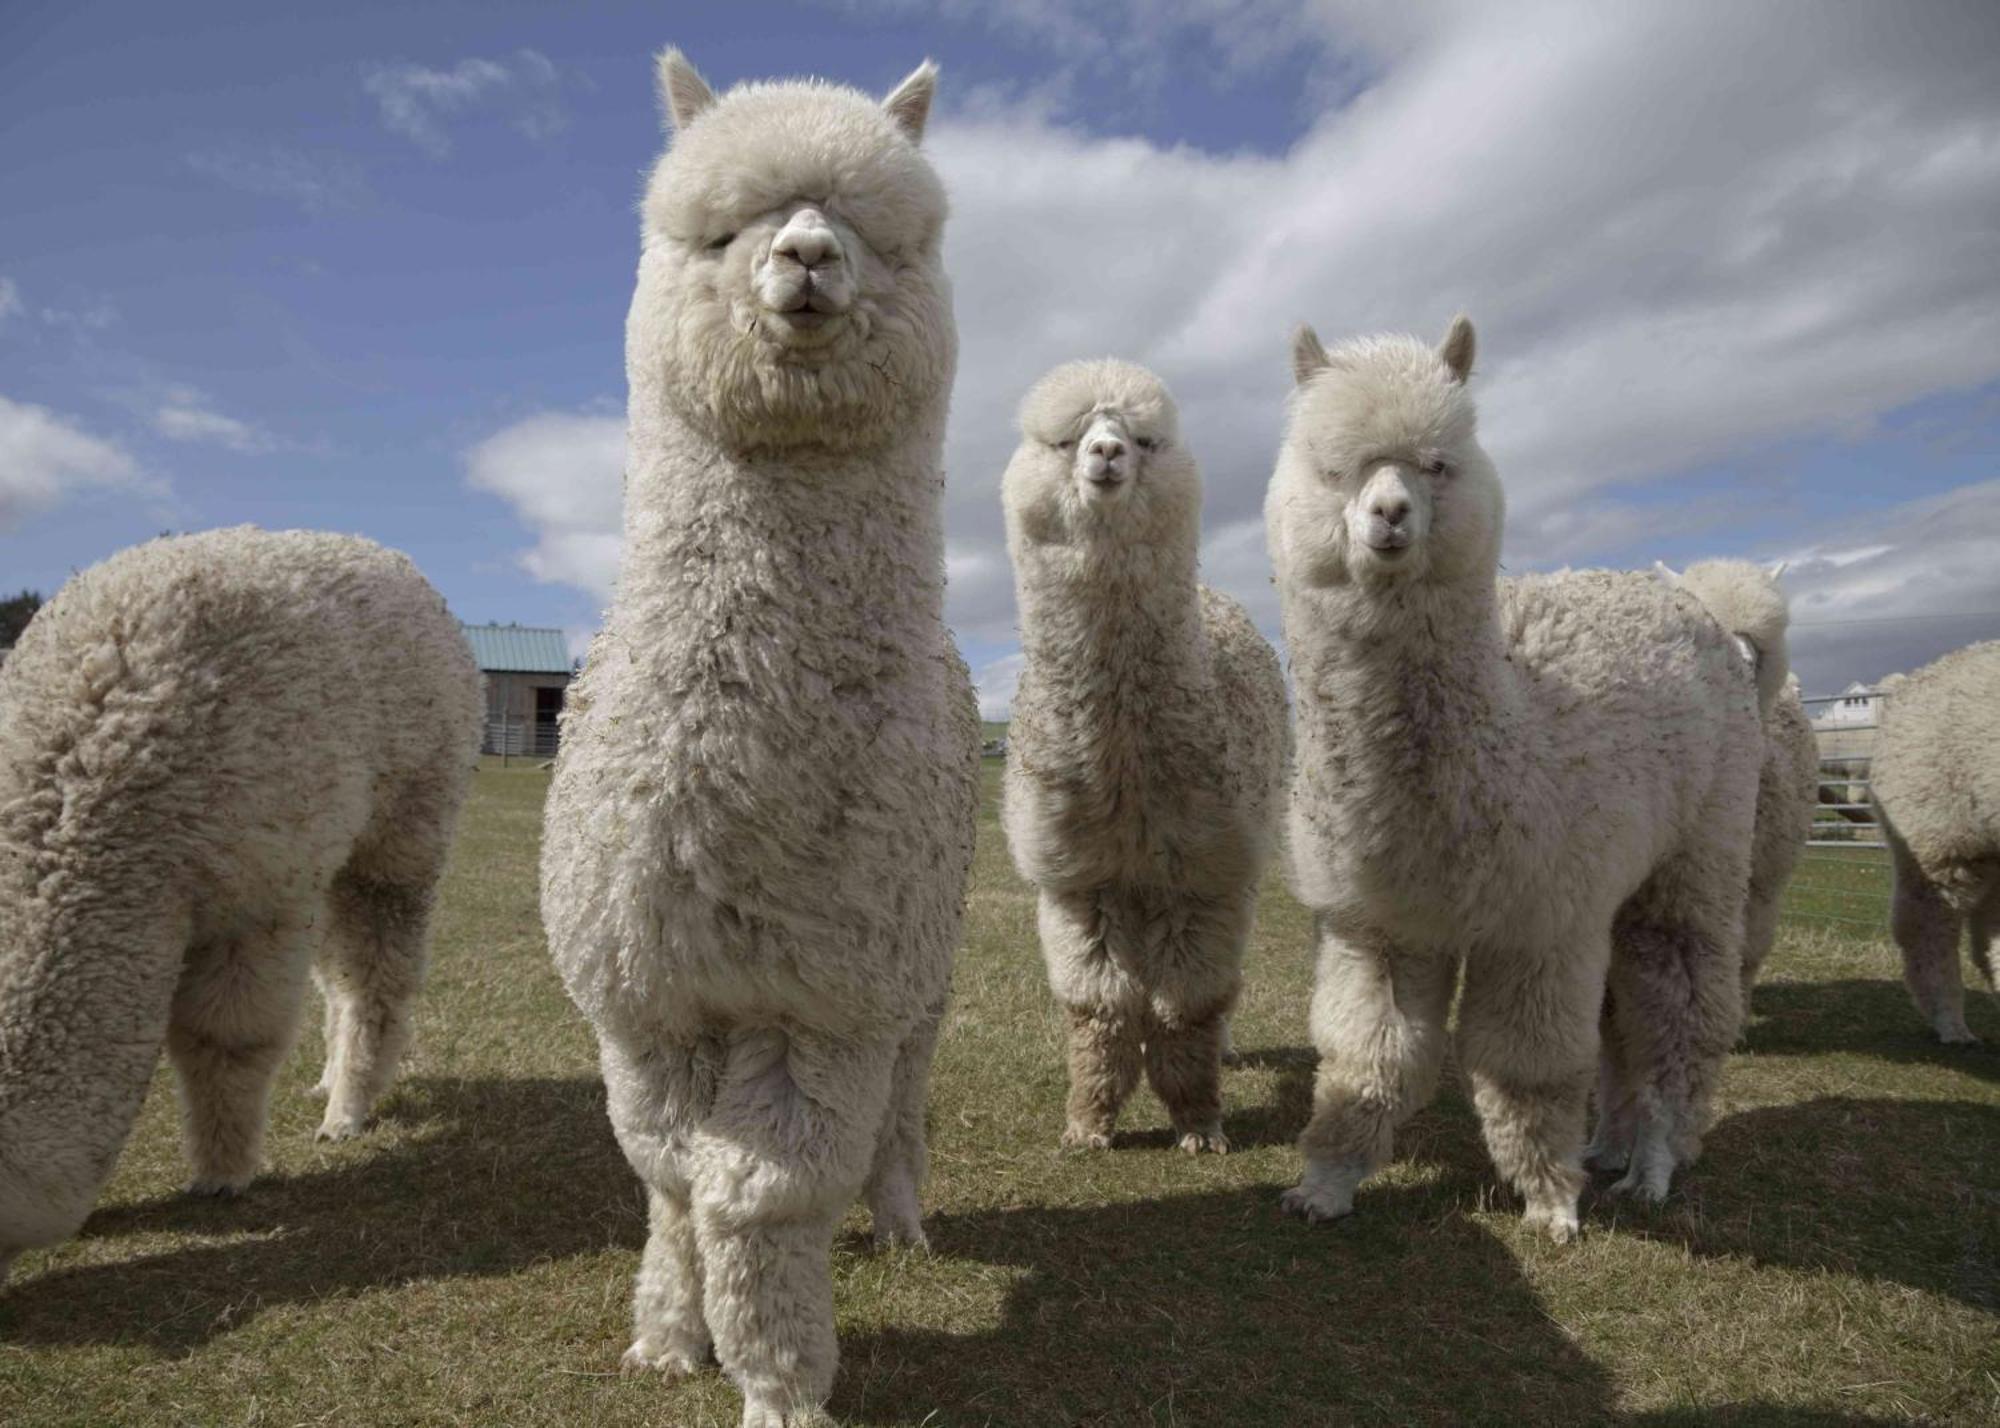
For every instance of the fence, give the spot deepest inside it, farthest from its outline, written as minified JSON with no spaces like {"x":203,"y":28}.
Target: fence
{"x":519,"y":738}
{"x":1842,"y":881}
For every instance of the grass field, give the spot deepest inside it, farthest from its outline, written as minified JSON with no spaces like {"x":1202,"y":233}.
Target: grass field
{"x":1835,"y":1257}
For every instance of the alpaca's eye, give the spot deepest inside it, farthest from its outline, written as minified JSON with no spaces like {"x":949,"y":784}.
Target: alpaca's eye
{"x":723,"y":242}
{"x":1434,"y":467}
{"x":1069,"y":445}
{"x":1144,"y":443}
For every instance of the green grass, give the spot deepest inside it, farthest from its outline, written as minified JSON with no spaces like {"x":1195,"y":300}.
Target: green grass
{"x":1834,"y":1257}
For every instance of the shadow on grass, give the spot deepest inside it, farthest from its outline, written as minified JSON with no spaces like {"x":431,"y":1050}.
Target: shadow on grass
{"x":495,"y":1176}
{"x":1904,"y":1191}
{"x":1873,"y":1018}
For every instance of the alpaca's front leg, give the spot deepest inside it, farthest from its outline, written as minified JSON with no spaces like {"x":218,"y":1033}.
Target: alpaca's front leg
{"x":776,"y":1163}
{"x":1184,"y":1066}
{"x":1927,"y":932}
{"x":1104,"y":1062}
{"x":1378,"y":1019}
{"x":1104,"y":1008}
{"x":900,"y":1156}
{"x":1528,"y":1038}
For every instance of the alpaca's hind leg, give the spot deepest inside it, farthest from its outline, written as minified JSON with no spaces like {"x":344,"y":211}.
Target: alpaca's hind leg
{"x":1760,"y":933}
{"x":1104,"y":1061}
{"x":1528,"y":1040}
{"x":1980,"y":925}
{"x":900,"y":1157}
{"x":235,"y":1015}
{"x":330,"y":1038}
{"x":1184,"y":1067}
{"x":1610,"y":1145}
{"x":777,"y":1162}
{"x":371,"y":967}
{"x":658,"y":1093}
{"x":1378,"y":1019}
{"x":1927,"y":930}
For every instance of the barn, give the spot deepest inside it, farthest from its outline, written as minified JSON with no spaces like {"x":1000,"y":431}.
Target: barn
{"x":527,"y":671}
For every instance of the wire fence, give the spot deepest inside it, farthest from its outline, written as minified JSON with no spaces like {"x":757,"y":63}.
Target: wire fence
{"x":519,"y":738}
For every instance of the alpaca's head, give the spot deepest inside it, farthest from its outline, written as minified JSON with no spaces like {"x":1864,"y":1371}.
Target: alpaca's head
{"x":791,"y":291}
{"x":1381,"y":480}
{"x":1101,"y":459}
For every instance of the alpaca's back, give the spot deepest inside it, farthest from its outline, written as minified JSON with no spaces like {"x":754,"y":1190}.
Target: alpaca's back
{"x":1935,"y":775}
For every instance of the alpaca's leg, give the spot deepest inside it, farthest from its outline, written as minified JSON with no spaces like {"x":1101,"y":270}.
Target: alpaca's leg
{"x":1184,"y":1067}
{"x":783,"y":1154}
{"x":1980,"y":926}
{"x":330,"y":1038}
{"x":1104,"y":1061}
{"x":1378,"y":1019}
{"x":1610,"y":1145}
{"x":1760,"y":933}
{"x":900,"y":1156}
{"x":658,"y":1092}
{"x":371,"y":967}
{"x":1927,"y":930}
{"x":235,"y":1015}
{"x":1528,"y":1041}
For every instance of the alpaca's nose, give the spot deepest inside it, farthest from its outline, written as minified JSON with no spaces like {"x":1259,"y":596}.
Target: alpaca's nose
{"x":1392,"y":508}
{"x":1110,"y":448}
{"x":808,"y":240}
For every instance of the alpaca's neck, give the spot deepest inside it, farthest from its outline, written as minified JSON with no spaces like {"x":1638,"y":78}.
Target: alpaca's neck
{"x":846,"y":543}
{"x":1117,"y":629}
{"x":1408,"y":692}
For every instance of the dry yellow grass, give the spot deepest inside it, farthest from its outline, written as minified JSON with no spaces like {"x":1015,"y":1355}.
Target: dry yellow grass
{"x":1835,"y":1257}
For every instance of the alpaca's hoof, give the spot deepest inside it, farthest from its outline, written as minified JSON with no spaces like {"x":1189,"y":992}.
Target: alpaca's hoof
{"x":339,"y":1128}
{"x":1651,"y":1189}
{"x":213,"y":1187}
{"x":1078,"y":1138}
{"x":1607,"y":1157}
{"x":1212,"y":1141}
{"x":1558,"y":1222}
{"x":1959,"y":1035}
{"x":898,"y":1235}
{"x":674,"y":1360}
{"x":779,"y":1413}
{"x":1315,"y":1205}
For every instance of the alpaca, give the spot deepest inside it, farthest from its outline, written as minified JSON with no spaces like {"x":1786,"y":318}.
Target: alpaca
{"x":1509,"y":776}
{"x":761,"y":821}
{"x":1935,"y":781}
{"x":1747,"y":602}
{"x":1147,"y":748}
{"x":223,"y":758}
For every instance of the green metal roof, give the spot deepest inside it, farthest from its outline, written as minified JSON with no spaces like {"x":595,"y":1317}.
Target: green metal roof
{"x":518,"y":649}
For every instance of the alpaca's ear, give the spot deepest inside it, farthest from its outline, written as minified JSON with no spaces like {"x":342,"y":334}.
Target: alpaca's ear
{"x":909,"y":103}
{"x":1667,"y":574}
{"x":1779,"y":569}
{"x":1457,"y":347}
{"x":1308,"y":354}
{"x":683,"y":92}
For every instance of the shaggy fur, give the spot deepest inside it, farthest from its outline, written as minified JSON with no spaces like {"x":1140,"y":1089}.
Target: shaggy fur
{"x":223,"y":758}
{"x":1747,"y":602}
{"x":1510,"y":777}
{"x":1147,"y":748}
{"x":1935,"y":779}
{"x":762,"y":816}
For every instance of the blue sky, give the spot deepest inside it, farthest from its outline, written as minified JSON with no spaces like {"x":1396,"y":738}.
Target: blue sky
{"x":366,"y":268}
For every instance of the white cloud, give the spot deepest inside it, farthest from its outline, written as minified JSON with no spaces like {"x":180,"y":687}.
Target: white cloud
{"x":317,"y":183}
{"x":1687,"y":232}
{"x":1895,"y":589}
{"x":418,"y":102}
{"x":563,"y":473}
{"x":46,"y":458}
{"x":994,"y":683}
{"x":186,"y":416}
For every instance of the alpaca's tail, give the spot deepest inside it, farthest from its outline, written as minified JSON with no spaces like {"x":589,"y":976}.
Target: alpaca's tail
{"x":1746,"y":601}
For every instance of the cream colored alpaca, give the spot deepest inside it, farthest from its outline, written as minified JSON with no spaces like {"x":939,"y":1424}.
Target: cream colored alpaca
{"x":1935,"y":779}
{"x":1511,"y":777}
{"x":762,"y":815}
{"x":1146,"y":754}
{"x":224,"y":759}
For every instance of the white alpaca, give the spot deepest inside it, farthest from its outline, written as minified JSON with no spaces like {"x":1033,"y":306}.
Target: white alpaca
{"x":1146,"y":754}
{"x":220,"y":756}
{"x":1747,"y":602}
{"x":1935,"y":780}
{"x":762,"y":816}
{"x":1506,"y":777}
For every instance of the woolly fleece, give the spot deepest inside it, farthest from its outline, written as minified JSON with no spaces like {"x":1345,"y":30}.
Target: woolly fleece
{"x":1495,"y":775}
{"x":1146,"y":754}
{"x":221,"y":756}
{"x":761,"y":821}
{"x":1935,"y":779}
